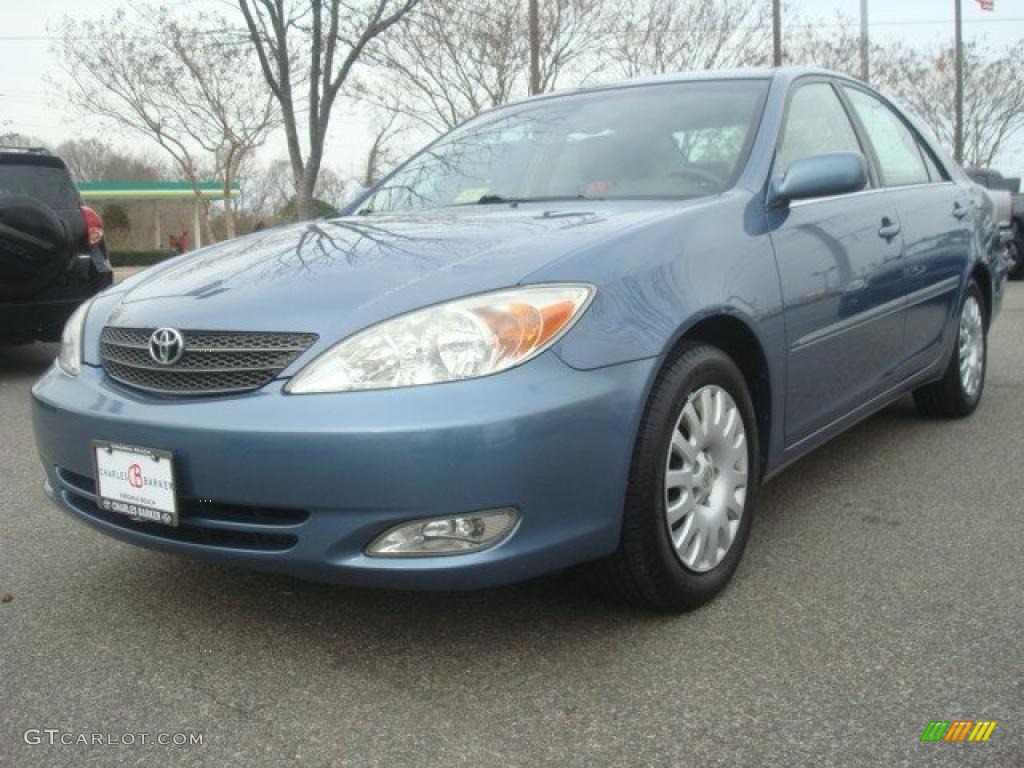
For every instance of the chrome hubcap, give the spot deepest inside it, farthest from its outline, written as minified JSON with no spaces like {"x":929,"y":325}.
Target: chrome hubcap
{"x":972,"y":347}
{"x":706,"y":478}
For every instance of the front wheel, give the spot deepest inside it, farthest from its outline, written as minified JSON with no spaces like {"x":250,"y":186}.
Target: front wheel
{"x":692,"y":486}
{"x":958,"y":392}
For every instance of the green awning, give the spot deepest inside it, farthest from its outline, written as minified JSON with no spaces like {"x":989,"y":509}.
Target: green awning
{"x":154,"y":190}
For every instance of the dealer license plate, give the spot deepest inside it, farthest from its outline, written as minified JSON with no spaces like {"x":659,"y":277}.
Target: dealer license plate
{"x":136,"y":482}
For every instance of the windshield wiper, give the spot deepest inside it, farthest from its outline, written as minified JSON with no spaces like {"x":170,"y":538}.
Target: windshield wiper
{"x":496,"y":199}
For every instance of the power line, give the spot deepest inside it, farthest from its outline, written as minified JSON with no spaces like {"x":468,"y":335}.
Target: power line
{"x":241,"y":36}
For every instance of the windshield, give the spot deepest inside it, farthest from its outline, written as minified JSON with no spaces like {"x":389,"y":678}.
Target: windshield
{"x":671,"y":140}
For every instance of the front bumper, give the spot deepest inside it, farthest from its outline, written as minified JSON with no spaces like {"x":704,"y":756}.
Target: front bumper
{"x":328,"y":473}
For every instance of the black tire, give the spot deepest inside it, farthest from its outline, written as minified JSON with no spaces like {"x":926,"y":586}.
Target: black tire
{"x":946,"y":398}
{"x":35,"y":247}
{"x":645,"y":570}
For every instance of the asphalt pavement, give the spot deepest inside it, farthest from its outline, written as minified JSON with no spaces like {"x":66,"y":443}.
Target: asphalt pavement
{"x":883,"y":588}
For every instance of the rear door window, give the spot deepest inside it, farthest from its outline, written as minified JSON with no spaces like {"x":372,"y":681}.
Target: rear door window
{"x":49,"y":184}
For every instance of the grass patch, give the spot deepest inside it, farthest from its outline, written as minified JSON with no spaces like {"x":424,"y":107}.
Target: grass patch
{"x":139,"y":258}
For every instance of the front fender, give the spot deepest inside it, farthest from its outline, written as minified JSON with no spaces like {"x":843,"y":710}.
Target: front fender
{"x":657,"y":281}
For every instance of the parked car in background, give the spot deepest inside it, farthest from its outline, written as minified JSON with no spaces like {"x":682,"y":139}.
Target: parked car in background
{"x":581,"y":329}
{"x":993,"y":180}
{"x":52,"y":251}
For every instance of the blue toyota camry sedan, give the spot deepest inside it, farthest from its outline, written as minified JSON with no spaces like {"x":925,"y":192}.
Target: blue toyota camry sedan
{"x":578,"y":330}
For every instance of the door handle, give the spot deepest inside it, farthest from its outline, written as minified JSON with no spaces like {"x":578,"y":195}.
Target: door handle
{"x":959,"y":211}
{"x":889,"y":229}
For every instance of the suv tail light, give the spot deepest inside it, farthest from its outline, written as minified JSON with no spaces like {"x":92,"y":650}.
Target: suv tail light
{"x":93,"y":226}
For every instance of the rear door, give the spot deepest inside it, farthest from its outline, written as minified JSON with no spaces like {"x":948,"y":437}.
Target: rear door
{"x":841,"y":268}
{"x":935,"y":217}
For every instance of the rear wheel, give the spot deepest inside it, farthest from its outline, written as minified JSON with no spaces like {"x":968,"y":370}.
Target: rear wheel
{"x":959,"y":391}
{"x":692,"y":486}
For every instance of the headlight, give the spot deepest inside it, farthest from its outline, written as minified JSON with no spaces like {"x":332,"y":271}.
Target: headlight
{"x":462,"y":339}
{"x":70,"y":358}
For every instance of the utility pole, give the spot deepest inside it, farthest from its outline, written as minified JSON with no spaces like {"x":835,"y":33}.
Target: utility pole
{"x":865,"y":46}
{"x":777,"y":33}
{"x":958,"y":130}
{"x":534,"y":46}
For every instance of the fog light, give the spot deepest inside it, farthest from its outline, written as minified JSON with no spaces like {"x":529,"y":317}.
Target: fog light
{"x":454,"y":535}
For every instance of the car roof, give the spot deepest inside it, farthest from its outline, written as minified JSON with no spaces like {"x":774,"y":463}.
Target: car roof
{"x":784,"y":74}
{"x":31,"y":158}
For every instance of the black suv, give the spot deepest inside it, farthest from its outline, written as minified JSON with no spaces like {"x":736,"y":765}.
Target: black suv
{"x":52,"y":252}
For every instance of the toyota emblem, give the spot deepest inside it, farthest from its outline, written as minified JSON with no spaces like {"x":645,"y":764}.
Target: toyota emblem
{"x":166,"y":346}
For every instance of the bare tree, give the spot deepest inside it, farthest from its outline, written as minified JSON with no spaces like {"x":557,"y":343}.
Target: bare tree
{"x":231,"y":119}
{"x":457,"y":58}
{"x":830,"y":45}
{"x":270,"y":193}
{"x":336,"y":35}
{"x":573,"y":35}
{"x":453,"y":60}
{"x":114,"y":72}
{"x":96,"y":160}
{"x":178,"y":81}
{"x":332,"y":188}
{"x":993,"y":93}
{"x":267,"y":189}
{"x":923,"y":81}
{"x":381,"y":155}
{"x":659,"y":36}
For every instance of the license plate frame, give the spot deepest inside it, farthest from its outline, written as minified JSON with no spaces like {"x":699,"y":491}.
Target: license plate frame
{"x":142,"y":490}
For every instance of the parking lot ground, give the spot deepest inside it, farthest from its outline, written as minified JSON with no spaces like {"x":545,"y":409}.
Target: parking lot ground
{"x":883,"y":588}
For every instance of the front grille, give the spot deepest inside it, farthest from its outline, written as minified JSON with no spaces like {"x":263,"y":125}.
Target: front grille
{"x":212,"y":523}
{"x":213,"y":362}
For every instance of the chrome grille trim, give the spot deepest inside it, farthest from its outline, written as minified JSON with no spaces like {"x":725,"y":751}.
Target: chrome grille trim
{"x":213,"y":363}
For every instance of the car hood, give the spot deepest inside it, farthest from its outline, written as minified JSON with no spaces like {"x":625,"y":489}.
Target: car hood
{"x":333,"y":277}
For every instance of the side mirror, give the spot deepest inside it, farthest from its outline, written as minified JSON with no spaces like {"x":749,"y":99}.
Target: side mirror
{"x":835,"y":173}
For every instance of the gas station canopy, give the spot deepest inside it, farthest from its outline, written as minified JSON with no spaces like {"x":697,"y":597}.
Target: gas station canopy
{"x":155,"y":190}
{"x":160,"y":190}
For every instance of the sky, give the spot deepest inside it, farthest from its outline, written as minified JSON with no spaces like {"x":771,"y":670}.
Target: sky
{"x":29,"y":73}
